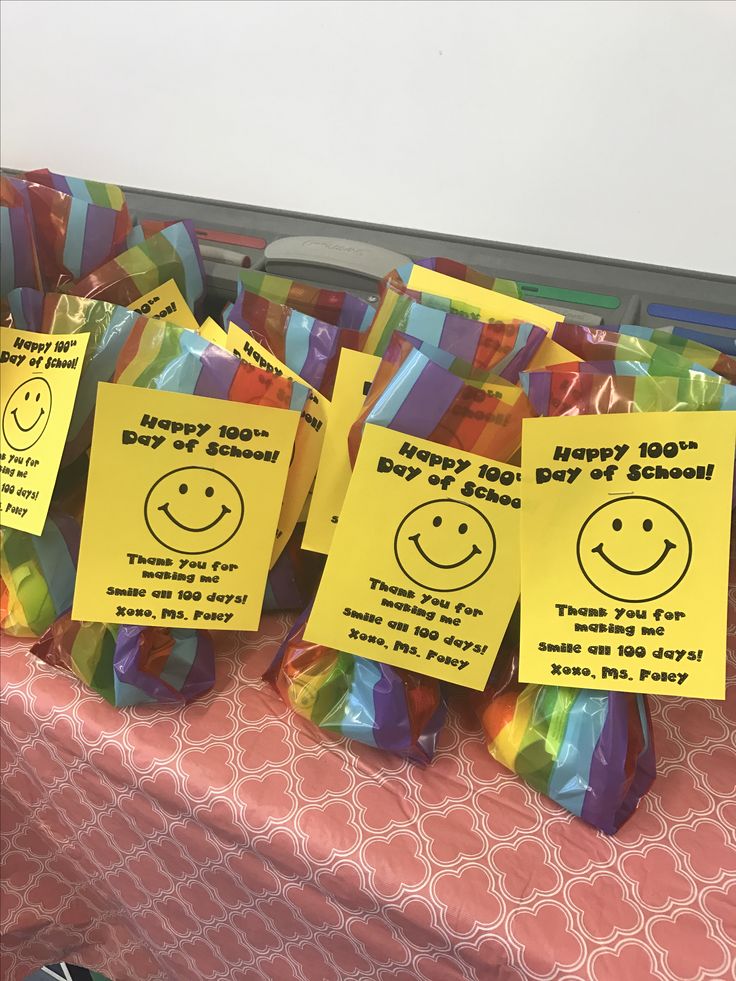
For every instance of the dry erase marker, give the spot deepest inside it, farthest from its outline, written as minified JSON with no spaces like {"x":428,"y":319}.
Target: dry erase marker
{"x":228,"y":256}
{"x":231,"y":238}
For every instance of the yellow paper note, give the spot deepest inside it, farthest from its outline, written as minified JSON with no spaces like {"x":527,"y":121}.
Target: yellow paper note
{"x":182,"y":502}
{"x":625,"y":540}
{"x":310,"y":434}
{"x":355,"y":372}
{"x":423,"y":572}
{"x":505,"y":391}
{"x":212,"y":332}
{"x":493,"y":305}
{"x":550,"y":352}
{"x":166,"y":303}
{"x":39,"y":375}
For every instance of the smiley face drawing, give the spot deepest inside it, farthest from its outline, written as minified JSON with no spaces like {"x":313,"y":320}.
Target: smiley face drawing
{"x":445,"y":545}
{"x":634,"y":549}
{"x":193,"y":510}
{"x":27,"y":413}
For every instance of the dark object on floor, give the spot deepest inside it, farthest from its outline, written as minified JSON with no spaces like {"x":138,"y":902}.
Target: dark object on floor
{"x":65,"y":972}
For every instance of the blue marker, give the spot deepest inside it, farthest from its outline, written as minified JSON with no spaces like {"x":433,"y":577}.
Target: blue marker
{"x":688,"y":315}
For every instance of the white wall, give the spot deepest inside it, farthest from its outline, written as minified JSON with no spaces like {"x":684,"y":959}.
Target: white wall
{"x":606,"y":128}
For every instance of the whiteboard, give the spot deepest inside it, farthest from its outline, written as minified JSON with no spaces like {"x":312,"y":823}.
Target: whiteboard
{"x":603,"y":128}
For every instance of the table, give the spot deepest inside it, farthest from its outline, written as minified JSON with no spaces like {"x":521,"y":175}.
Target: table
{"x":232,"y":840}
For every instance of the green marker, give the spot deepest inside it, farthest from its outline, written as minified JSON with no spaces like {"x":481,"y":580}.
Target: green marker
{"x":538,"y":291}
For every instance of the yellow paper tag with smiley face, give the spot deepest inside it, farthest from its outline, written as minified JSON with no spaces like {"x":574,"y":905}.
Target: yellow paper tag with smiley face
{"x":355,"y":373}
{"x":423,"y":572}
{"x":625,"y":541}
{"x":496,"y":306}
{"x":311,"y":434}
{"x":212,"y":332}
{"x":493,"y":305}
{"x":39,"y":375}
{"x":165,"y":302}
{"x":182,"y":502}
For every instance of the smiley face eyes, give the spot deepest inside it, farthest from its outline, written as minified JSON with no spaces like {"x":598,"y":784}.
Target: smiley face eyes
{"x":617,"y":524}
{"x":38,"y":396}
{"x":462,"y":528}
{"x":184,"y":489}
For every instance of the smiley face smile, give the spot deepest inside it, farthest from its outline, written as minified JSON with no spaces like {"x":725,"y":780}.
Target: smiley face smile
{"x":444,"y":529}
{"x":634,"y":548}
{"x":203,"y":508}
{"x":27,"y":412}
{"x":440,"y":565}
{"x":224,"y":510}
{"x":636,"y":572}
{"x":19,"y":424}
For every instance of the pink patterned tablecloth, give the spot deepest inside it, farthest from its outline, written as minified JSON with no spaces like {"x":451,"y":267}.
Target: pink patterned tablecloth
{"x":230,"y":840}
